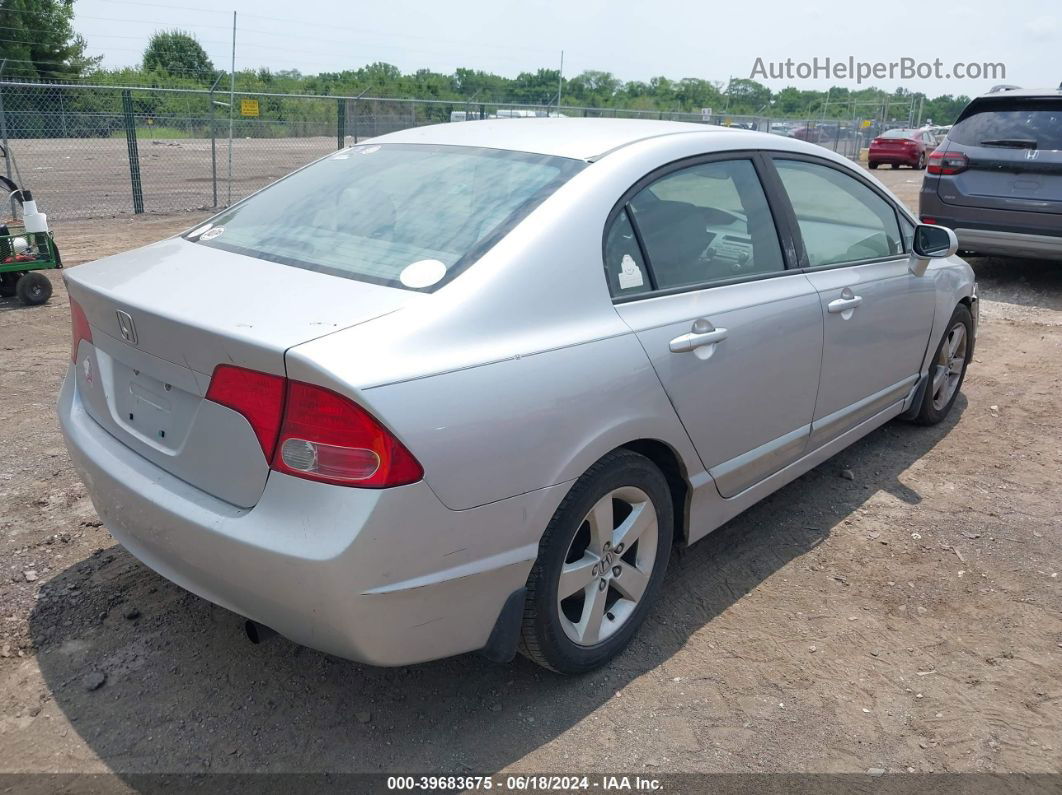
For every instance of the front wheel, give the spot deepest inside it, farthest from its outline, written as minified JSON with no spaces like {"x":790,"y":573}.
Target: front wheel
{"x":34,"y":288}
{"x":873,"y":165}
{"x":948,"y":369}
{"x":600,"y":565}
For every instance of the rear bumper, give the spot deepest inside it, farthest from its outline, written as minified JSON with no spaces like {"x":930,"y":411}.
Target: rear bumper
{"x":904,"y":158}
{"x":993,"y":231}
{"x":1014,"y":244}
{"x":386,"y":577}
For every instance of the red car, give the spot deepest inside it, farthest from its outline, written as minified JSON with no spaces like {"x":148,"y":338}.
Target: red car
{"x":902,"y":148}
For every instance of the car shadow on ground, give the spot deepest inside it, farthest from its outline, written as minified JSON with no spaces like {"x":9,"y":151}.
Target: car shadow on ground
{"x":184,"y":691}
{"x":1028,"y":282}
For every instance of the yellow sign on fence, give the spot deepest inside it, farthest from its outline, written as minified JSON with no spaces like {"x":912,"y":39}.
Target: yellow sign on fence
{"x":248,"y":107}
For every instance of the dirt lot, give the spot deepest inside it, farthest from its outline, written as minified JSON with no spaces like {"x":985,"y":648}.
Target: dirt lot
{"x":907,"y":619}
{"x":89,"y":177}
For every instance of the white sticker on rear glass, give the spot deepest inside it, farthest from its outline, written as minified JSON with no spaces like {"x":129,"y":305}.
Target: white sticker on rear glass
{"x":366,"y":150}
{"x":630,"y":274}
{"x":210,"y":234}
{"x":422,"y":273}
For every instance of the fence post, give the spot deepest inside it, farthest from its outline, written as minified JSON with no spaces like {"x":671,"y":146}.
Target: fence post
{"x":3,"y":131}
{"x":134,"y":153}
{"x":213,"y":147}
{"x":341,"y":123}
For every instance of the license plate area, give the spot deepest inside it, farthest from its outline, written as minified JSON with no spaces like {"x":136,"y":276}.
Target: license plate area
{"x":152,"y":409}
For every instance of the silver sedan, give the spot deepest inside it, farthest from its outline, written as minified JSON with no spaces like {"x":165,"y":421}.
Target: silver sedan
{"x":465,"y":387}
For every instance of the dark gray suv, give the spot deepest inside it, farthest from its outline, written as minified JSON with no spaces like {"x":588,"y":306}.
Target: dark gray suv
{"x":997,"y":177}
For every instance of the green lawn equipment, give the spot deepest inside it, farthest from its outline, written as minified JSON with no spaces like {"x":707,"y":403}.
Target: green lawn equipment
{"x":26,"y":249}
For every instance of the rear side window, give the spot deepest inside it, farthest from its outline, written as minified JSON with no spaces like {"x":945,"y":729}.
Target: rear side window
{"x":703,"y":224}
{"x":1018,"y":123}
{"x":624,"y":266}
{"x":841,"y":220}
{"x":403,"y":215}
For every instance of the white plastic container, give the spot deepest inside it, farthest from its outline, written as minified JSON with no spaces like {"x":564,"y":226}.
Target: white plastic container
{"x":32,"y":218}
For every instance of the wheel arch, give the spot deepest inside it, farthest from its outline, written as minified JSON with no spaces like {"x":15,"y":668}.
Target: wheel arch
{"x":670,"y":463}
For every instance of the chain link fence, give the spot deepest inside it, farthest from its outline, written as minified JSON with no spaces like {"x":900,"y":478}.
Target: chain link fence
{"x":101,"y":151}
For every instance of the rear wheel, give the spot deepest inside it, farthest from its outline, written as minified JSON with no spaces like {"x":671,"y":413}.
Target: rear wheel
{"x":895,"y":165}
{"x":34,"y":288}
{"x":873,"y":165}
{"x":600,"y":565}
{"x":921,"y":162}
{"x":948,"y":369}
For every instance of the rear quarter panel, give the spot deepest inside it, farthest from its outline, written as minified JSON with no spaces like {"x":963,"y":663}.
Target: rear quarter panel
{"x":528,"y":422}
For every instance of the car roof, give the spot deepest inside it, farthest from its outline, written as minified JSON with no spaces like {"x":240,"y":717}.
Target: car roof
{"x":581,"y":139}
{"x":1022,"y":92}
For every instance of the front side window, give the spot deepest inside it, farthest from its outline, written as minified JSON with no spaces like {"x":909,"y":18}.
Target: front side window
{"x":706,"y":223}
{"x":841,"y":220}
{"x":403,"y":215}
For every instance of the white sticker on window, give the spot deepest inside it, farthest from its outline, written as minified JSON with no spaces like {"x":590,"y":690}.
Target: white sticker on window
{"x":422,"y":273}
{"x":630,"y":274}
{"x":210,"y":234}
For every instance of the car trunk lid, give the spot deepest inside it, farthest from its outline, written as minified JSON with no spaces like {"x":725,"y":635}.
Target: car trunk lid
{"x":163,"y":317}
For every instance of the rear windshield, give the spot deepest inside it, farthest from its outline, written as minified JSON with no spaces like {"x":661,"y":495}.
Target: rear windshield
{"x":403,"y":215}
{"x":1031,"y":124}
{"x":898,"y":134}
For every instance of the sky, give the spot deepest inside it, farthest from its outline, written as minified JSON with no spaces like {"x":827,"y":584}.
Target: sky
{"x":633,"y":40}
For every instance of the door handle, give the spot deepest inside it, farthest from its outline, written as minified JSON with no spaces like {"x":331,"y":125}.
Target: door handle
{"x":848,"y":300}
{"x":844,"y":304}
{"x":703,"y":333}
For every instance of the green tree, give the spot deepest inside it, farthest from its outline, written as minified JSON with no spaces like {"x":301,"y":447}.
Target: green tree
{"x":175,"y":52}
{"x":38,"y":40}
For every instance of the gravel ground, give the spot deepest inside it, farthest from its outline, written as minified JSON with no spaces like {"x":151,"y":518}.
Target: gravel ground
{"x":906,"y":619}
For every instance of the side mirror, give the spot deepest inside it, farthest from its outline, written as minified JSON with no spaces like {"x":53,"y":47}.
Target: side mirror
{"x":931,"y":242}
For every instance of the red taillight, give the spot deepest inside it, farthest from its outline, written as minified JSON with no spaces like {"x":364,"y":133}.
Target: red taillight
{"x":947,"y":163}
{"x":79,"y":328}
{"x":927,"y":220}
{"x":328,"y":438}
{"x":259,"y":397}
{"x":311,"y":432}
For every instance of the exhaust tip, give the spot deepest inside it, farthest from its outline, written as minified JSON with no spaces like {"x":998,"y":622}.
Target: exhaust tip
{"x":257,"y":633}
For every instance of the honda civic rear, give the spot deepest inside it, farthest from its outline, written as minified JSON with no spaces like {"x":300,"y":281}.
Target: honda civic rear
{"x":290,"y":500}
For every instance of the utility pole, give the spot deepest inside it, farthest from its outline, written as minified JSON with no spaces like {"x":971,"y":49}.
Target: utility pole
{"x":232,"y":101}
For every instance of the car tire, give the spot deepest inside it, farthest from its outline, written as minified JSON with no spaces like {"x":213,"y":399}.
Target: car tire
{"x":946,"y":374}
{"x":34,"y":288}
{"x":895,"y":165}
{"x":921,"y":164}
{"x":873,"y":165}
{"x":8,"y":283}
{"x":628,"y":494}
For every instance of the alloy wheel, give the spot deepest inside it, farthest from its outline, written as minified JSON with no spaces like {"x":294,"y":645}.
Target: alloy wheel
{"x":948,"y":368}
{"x":608,"y":565}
